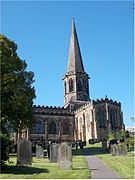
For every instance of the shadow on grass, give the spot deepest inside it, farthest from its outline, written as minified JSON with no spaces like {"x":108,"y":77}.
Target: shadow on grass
{"x":23,"y":170}
{"x":80,"y":168}
{"x":89,"y":151}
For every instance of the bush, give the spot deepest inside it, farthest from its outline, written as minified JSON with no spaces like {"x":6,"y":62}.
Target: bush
{"x":130,"y":142}
{"x":5,"y":141}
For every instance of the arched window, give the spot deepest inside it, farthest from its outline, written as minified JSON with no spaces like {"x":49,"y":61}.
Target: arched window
{"x":79,"y":85}
{"x":52,"y":128}
{"x":39,"y":127}
{"x":113,"y":118}
{"x":71,"y":85}
{"x":66,"y":128}
{"x":101,"y":117}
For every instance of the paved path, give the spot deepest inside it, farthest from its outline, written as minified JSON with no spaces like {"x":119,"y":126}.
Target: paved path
{"x":98,"y":169}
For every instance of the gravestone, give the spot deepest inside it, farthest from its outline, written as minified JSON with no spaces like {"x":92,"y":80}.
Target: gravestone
{"x":114,"y":149}
{"x":53,"y":152}
{"x":122,"y":149}
{"x":24,"y":152}
{"x":65,"y":156}
{"x":119,"y":149}
{"x":39,"y":152}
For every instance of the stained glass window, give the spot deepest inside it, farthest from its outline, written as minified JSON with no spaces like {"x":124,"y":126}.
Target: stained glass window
{"x":52,"y":128}
{"x":101,"y":117}
{"x":113,"y":118}
{"x":39,"y":127}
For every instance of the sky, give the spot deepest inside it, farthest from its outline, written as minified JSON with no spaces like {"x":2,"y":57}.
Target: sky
{"x":42,"y":31}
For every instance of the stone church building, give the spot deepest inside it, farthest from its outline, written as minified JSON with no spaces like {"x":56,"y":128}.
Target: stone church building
{"x":81,"y":118}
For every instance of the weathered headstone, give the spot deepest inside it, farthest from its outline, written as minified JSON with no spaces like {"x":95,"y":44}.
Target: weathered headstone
{"x":122,"y":149}
{"x":53,"y":152}
{"x":39,"y":152}
{"x":65,"y":156}
{"x":114,"y":149}
{"x":24,"y":152}
{"x":119,"y":149}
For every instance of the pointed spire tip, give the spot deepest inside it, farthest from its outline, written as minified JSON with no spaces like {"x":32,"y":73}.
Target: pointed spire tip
{"x":73,"y":19}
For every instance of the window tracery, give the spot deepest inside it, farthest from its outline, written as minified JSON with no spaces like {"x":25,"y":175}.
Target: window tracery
{"x":52,"y":128}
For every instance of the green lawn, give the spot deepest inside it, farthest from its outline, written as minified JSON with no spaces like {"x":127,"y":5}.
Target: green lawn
{"x":43,"y":169}
{"x":123,"y":165}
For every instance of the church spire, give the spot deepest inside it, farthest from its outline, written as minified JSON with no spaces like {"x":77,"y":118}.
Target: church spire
{"x":75,"y":63}
{"x":76,"y":80}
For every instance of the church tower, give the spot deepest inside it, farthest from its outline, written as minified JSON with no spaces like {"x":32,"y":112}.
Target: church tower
{"x":76,"y":85}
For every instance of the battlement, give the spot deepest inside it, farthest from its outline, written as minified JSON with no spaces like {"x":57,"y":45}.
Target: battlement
{"x":49,"y":107}
{"x":106,"y":100}
{"x":47,"y":110}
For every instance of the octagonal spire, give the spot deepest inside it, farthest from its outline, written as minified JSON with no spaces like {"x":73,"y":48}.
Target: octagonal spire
{"x":75,"y":63}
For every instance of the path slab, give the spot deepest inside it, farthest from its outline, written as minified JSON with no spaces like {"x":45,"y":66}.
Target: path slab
{"x":99,"y":170}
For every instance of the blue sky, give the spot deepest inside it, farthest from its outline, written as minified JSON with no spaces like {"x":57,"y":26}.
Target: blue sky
{"x":42,"y":31}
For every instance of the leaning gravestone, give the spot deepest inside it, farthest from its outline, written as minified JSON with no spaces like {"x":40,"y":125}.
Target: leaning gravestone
{"x":24,"y":152}
{"x":39,"y":152}
{"x":53,"y":152}
{"x":65,"y":156}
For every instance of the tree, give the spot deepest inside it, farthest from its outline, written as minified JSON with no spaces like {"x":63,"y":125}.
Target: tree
{"x":111,"y":136}
{"x":17,"y":92}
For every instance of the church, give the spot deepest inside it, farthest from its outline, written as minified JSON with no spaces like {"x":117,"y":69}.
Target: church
{"x":81,"y":118}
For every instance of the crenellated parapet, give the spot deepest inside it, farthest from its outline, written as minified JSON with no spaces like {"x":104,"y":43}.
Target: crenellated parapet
{"x":106,"y":100}
{"x":52,"y":110}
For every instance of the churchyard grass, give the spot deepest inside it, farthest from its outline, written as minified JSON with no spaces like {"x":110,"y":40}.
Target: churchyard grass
{"x":43,"y":169}
{"x":123,"y":165}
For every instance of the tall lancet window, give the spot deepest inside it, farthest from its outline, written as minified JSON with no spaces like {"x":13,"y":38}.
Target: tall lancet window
{"x":66,"y":128}
{"x":39,"y":127}
{"x":71,"y":85}
{"x":113,"y":118}
{"x":52,"y":128}
{"x":101,"y":117}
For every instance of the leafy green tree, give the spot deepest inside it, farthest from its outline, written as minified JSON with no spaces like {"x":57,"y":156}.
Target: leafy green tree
{"x":111,"y":136}
{"x":5,"y":141}
{"x":17,"y":92}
